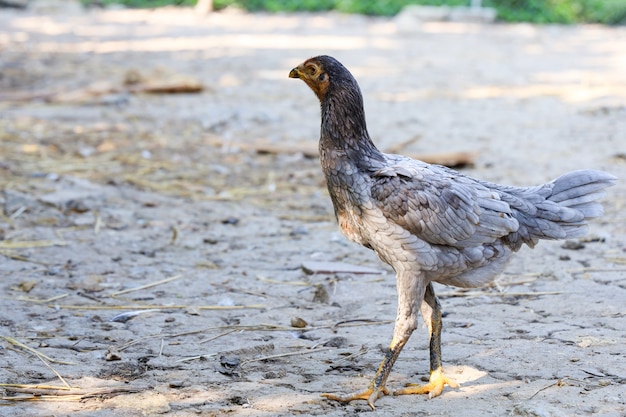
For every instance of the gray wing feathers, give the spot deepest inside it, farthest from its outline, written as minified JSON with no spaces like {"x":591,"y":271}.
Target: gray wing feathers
{"x":443,"y":207}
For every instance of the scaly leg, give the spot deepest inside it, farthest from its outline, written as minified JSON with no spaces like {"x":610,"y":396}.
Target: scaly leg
{"x":410,"y":291}
{"x":431,"y":312}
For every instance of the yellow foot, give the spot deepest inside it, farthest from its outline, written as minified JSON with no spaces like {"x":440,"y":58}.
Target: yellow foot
{"x":433,"y":388}
{"x":370,"y":395}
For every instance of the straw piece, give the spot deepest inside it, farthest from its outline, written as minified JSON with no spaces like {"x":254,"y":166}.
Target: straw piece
{"x":158,"y":307}
{"x":9,"y":244}
{"x":585,"y":270}
{"x":616,"y":260}
{"x":273,"y":281}
{"x":98,"y":223}
{"x":17,"y":213}
{"x":232,"y":289}
{"x":174,"y":235}
{"x":22,"y":258}
{"x":218,"y":336}
{"x":68,"y":386}
{"x":34,"y":351}
{"x":143,"y":287}
{"x":35,"y":300}
{"x":497,"y":294}
{"x":193,"y":358}
{"x":53,"y":393}
{"x":32,"y":386}
{"x":358,"y":322}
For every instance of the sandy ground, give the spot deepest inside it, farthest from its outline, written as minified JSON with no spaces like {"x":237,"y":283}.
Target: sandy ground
{"x":115,"y":202}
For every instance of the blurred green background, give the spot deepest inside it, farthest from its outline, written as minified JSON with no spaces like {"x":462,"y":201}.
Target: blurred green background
{"x":610,"y":12}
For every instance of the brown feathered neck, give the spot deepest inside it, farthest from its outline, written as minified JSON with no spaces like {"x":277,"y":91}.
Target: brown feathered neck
{"x":343,"y":126}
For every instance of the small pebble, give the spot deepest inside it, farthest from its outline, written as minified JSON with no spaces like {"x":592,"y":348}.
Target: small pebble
{"x":298,"y":323}
{"x":336,"y":342}
{"x":230,"y":220}
{"x":572,"y":245}
{"x":321,"y":294}
{"x":299,"y":231}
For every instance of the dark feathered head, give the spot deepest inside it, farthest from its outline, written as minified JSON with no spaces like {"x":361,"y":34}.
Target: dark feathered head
{"x":343,"y":117}
{"x":324,"y":73}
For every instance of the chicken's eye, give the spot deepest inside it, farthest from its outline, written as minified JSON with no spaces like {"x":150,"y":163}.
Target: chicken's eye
{"x":311,"y":70}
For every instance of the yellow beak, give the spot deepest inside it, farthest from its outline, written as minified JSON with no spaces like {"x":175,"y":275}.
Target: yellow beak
{"x":294,"y":73}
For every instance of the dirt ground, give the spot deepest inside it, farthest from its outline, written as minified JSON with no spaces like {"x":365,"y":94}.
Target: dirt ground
{"x":191,"y":215}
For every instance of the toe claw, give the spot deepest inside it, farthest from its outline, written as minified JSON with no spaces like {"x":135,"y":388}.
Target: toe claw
{"x":434,"y":388}
{"x":370,"y":395}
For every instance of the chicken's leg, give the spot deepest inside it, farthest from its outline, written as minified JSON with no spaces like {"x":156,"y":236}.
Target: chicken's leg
{"x":410,"y":289}
{"x":431,"y":312}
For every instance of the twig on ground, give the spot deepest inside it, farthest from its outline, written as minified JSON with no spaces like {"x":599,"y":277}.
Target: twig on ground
{"x":282,"y":355}
{"x":559,"y":383}
{"x":218,"y":336}
{"x":231,"y":289}
{"x":357,"y":323}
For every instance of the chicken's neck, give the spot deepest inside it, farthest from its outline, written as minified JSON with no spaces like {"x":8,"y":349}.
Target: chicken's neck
{"x":344,"y":131}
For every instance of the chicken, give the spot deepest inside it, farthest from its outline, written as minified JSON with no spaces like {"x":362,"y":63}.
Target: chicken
{"x":428,"y":222}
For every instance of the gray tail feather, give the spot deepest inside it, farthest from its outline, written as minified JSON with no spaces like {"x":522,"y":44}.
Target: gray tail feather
{"x":580,"y":190}
{"x":560,"y":209}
